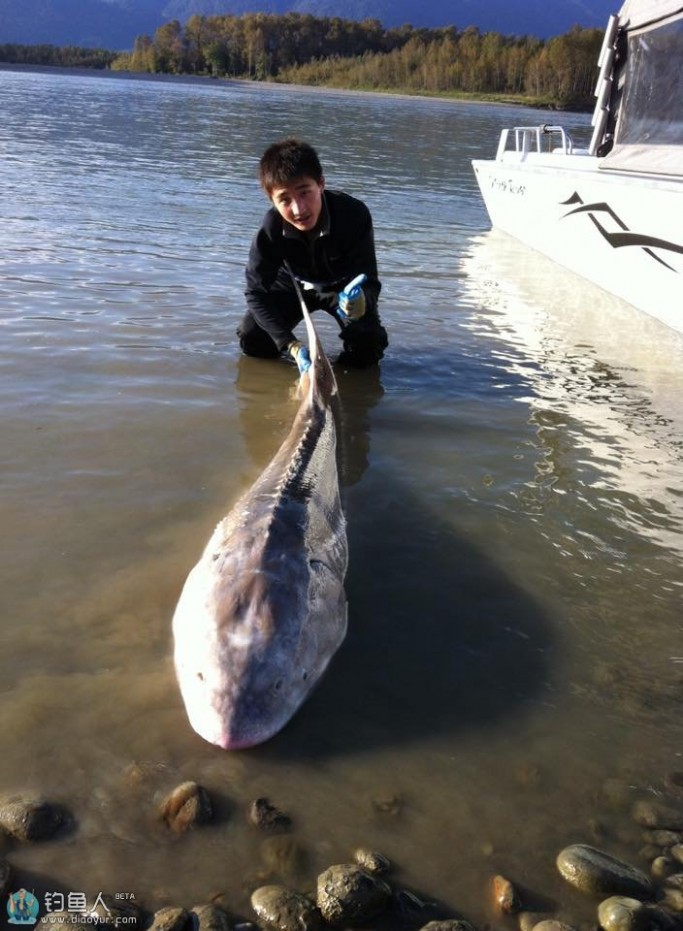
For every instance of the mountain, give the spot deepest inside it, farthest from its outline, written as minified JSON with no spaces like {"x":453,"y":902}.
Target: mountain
{"x":114,"y":24}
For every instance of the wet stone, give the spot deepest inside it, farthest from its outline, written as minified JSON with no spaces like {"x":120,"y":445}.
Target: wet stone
{"x":505,"y":897}
{"x":170,"y":919}
{"x":210,"y":918}
{"x":675,"y":880}
{"x":350,"y":895}
{"x":448,"y":924}
{"x":113,"y":913}
{"x":655,"y":815}
{"x":552,"y":924}
{"x":621,"y":913}
{"x":284,"y":909}
{"x":662,"y":867}
{"x":371,"y":861}
{"x":677,"y":852}
{"x":598,"y":873}
{"x":410,"y":908}
{"x":662,"y":838}
{"x":672,"y":899}
{"x":186,"y":806}
{"x":32,"y":818}
{"x":527,"y":921}
{"x":267,"y":817}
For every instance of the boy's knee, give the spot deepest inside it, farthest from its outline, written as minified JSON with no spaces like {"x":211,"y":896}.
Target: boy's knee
{"x":255,"y":342}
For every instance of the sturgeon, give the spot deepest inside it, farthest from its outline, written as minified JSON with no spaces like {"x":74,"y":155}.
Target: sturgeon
{"x":264,"y":610}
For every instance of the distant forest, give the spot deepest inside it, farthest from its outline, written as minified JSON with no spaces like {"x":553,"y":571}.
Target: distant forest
{"x":304,"y":49}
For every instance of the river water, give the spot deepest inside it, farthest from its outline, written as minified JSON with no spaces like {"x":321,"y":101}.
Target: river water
{"x":513,"y":500}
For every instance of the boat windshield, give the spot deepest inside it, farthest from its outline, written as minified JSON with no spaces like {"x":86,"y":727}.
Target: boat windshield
{"x":649,"y":133}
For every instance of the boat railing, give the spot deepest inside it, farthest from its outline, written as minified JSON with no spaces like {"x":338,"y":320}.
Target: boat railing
{"x":535,"y":139}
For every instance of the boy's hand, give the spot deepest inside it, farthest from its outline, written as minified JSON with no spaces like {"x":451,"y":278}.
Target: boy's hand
{"x":301,"y":356}
{"x":352,"y":300}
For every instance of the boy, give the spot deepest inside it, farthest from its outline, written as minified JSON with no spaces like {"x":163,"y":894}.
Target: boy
{"x":326,"y":239}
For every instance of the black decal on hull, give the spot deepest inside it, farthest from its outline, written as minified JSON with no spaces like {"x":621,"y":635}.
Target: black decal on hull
{"x":619,"y":240}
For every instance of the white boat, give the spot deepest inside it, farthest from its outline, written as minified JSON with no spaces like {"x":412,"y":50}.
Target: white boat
{"x":611,"y":212}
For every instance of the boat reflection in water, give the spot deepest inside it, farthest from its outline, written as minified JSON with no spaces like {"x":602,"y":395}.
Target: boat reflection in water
{"x":608,"y":378}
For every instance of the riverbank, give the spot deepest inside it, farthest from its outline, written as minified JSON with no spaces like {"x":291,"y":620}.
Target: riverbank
{"x":540,"y":103}
{"x":365,"y":891}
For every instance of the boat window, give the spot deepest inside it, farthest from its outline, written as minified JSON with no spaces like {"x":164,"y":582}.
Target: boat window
{"x":651,"y":110}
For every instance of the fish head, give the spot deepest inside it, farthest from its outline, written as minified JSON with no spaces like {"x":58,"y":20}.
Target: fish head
{"x":252,"y":643}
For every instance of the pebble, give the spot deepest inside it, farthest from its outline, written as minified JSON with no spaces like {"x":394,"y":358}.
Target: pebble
{"x":505,"y":898}
{"x":655,"y":815}
{"x":5,"y":877}
{"x":284,"y":909}
{"x":170,"y":919}
{"x":371,"y":861}
{"x":621,"y":913}
{"x":527,"y":921}
{"x":351,"y":895}
{"x":672,"y":899}
{"x":662,"y":838}
{"x":595,"y":872}
{"x":552,"y":924}
{"x":267,"y":817}
{"x":32,"y":818}
{"x":662,"y":867}
{"x":449,"y":924}
{"x":675,"y":880}
{"x":187,"y":806}
{"x":210,"y":918}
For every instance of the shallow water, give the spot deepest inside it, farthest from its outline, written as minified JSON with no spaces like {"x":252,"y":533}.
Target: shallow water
{"x":513,"y":498}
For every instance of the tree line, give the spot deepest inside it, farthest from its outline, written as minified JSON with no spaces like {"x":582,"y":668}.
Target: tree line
{"x":301,"y":48}
{"x":304,"y":49}
{"x":68,"y":56}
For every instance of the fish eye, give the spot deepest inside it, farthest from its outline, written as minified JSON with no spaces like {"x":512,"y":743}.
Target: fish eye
{"x":200,"y":676}
{"x":277,"y":685}
{"x":304,"y":674}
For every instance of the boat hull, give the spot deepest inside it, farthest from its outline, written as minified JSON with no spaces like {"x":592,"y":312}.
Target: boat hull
{"x":619,"y":230}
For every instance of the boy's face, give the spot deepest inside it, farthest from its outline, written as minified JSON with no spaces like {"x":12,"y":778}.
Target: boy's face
{"x":300,"y":202}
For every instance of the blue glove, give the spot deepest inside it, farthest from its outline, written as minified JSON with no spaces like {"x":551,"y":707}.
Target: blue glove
{"x":352,"y":300}
{"x":301,"y":356}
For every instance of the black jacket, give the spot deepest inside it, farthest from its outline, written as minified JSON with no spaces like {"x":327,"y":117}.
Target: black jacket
{"x":342,"y":248}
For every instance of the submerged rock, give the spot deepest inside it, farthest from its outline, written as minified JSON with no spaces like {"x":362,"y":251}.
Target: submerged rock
{"x":210,"y":918}
{"x":655,"y":815}
{"x":32,"y":818}
{"x":267,"y":817}
{"x":448,"y":924}
{"x":350,"y":895}
{"x":170,"y":919}
{"x":598,"y":873}
{"x":187,"y":806}
{"x":553,"y":924}
{"x":505,"y":897}
{"x":371,"y":861}
{"x":284,"y":909}
{"x":621,"y":913}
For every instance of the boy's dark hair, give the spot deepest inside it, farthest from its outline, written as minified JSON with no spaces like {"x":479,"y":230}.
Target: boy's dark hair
{"x":284,"y":161}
